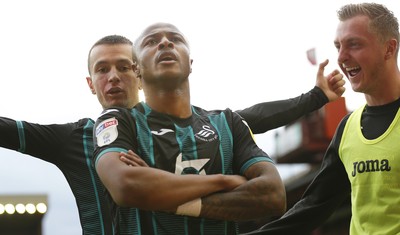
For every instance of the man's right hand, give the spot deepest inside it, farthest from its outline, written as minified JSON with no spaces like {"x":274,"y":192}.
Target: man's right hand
{"x":132,"y":159}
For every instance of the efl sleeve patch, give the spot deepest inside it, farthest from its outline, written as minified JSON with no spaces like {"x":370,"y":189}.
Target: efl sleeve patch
{"x":107,"y":132}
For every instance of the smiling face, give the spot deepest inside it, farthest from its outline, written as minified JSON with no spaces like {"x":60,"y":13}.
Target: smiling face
{"x":112,"y":77}
{"x":163,"y":55}
{"x":361,"y":54}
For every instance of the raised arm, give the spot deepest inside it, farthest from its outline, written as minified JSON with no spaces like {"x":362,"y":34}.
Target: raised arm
{"x":46,"y":142}
{"x":266,"y":116}
{"x":9,"y":134}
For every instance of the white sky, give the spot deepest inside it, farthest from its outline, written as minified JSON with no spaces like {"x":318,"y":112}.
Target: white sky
{"x":244,"y":52}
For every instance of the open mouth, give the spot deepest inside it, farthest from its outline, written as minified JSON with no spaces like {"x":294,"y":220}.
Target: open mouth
{"x":353,"y":71}
{"x":167,"y":57}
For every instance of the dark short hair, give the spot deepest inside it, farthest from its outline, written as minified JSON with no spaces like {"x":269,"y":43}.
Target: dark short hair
{"x":109,"y":40}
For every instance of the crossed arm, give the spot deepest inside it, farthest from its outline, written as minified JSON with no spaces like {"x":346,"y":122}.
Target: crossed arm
{"x":261,"y":195}
{"x":149,"y":188}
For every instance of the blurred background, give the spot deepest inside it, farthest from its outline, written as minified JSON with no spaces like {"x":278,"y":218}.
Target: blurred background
{"x":244,"y":52}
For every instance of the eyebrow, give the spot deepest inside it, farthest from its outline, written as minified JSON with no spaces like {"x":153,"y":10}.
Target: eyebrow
{"x":173,"y":33}
{"x":102,"y":62}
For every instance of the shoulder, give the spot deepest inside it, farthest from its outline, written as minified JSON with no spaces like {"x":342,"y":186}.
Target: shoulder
{"x":113,"y":112}
{"x":345,"y":120}
{"x":340,"y":129}
{"x":203,"y":111}
{"x":111,"y":118}
{"x":83,"y":122}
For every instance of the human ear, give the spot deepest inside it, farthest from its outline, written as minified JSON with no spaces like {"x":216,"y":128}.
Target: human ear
{"x":391,"y":48}
{"x":90,"y":84}
{"x":140,"y":87}
{"x":136,"y":69}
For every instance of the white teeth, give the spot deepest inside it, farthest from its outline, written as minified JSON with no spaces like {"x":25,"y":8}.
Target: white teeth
{"x":352,"y":68}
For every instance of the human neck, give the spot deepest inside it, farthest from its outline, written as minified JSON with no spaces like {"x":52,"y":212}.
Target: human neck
{"x":387,"y":92}
{"x":175,"y":103}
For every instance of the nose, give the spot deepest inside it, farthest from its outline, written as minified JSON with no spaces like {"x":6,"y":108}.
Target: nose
{"x":114,"y":76}
{"x":165,"y":42}
{"x":342,"y":56}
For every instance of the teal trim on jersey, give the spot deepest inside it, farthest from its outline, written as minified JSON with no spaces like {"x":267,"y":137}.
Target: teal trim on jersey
{"x":253,"y":161}
{"x":138,"y":225}
{"x":147,"y":109}
{"x":186,"y":225}
{"x":101,"y":154}
{"x":21,"y":134}
{"x":88,"y":149}
{"x":226,"y":141}
{"x":202,"y":227}
{"x":154,"y":222}
{"x":143,"y":130}
{"x":186,"y":141}
{"x":194,"y":111}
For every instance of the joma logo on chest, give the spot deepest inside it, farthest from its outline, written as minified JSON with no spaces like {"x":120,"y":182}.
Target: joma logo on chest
{"x":370,"y":166}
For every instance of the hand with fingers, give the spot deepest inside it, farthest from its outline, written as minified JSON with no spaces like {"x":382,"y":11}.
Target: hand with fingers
{"x":132,"y":159}
{"x":332,"y":84}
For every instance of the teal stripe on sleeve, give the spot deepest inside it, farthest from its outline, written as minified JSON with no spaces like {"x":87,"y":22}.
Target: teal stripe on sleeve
{"x":101,"y":154}
{"x":21,"y":134}
{"x":253,"y":161}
